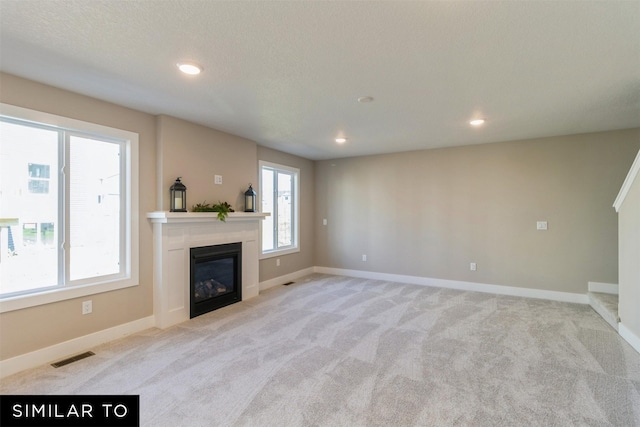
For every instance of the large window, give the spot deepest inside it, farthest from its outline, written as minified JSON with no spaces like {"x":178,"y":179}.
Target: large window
{"x":68,"y":192}
{"x":279,"y":197}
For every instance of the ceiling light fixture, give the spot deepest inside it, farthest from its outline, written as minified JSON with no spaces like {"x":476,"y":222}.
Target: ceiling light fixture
{"x":189,"y":68}
{"x":476,"y":122}
{"x":341,"y":140}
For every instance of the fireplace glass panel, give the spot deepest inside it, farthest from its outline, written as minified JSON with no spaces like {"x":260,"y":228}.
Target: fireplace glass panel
{"x":213,"y":278}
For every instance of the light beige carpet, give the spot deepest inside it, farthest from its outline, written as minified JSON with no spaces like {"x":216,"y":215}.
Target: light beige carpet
{"x":338,"y":351}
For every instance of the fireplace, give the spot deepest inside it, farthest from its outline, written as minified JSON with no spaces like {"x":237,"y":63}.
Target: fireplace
{"x":174,"y":234}
{"x":216,"y":277}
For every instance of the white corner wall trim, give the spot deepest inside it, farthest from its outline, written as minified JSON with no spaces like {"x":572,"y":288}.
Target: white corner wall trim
{"x":71,"y":347}
{"x":460,"y":285}
{"x":604,"y":288}
{"x":629,"y":336}
{"x":626,"y":185}
{"x":280,"y":280}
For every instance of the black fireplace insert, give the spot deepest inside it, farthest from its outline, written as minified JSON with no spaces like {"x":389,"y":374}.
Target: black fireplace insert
{"x":216,"y":277}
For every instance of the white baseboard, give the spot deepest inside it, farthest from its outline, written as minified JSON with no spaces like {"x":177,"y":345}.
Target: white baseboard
{"x":629,"y":336}
{"x":71,"y":347}
{"x":280,"y":280}
{"x":604,"y":288}
{"x":77,"y":345}
{"x":460,"y":285}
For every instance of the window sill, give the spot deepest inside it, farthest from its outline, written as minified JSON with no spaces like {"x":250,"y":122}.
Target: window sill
{"x":273,"y":254}
{"x":61,"y":294}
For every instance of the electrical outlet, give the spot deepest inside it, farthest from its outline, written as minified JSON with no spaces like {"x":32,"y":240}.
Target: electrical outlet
{"x":277,"y":262}
{"x":87,"y":307}
{"x":473,"y":266}
{"x":364,"y":257}
{"x":324,"y":221}
{"x":541,"y":225}
{"x":217,"y":179}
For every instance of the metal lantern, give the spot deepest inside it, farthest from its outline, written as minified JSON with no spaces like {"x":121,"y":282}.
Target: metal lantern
{"x":250,"y":200}
{"x":178,"y":196}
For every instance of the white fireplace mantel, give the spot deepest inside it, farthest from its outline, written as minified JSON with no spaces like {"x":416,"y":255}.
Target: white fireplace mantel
{"x":175,"y":233}
{"x":165,"y":217}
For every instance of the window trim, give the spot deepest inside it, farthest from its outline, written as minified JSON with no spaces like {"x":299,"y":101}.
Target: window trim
{"x":295,"y":247}
{"x":131,"y":212}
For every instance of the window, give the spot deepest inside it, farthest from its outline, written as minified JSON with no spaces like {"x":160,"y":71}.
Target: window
{"x":279,"y":196}
{"x":38,"y":178}
{"x":68,"y":193}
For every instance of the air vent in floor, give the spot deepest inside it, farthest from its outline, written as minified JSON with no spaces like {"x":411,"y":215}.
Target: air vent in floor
{"x":72,"y":359}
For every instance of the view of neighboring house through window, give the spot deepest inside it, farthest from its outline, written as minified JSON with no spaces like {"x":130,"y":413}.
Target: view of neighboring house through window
{"x":63,"y":207}
{"x":30,"y":195}
{"x":38,"y":178}
{"x":279,"y":197}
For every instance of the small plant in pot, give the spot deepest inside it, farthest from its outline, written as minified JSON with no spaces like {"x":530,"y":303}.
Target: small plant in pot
{"x":222,"y":208}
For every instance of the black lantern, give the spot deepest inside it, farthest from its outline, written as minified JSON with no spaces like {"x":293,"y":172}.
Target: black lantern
{"x":250,"y":200}
{"x":178,"y":196}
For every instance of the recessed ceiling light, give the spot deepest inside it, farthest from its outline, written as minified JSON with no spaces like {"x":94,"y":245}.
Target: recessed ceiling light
{"x":364,"y":99}
{"x":341,"y":140}
{"x":476,"y":122}
{"x":189,"y":68}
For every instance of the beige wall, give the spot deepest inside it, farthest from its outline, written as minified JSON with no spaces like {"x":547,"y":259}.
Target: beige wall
{"x":430,"y":213}
{"x":30,"y":329}
{"x":629,"y":262}
{"x":197,"y":153}
{"x":305,"y":258}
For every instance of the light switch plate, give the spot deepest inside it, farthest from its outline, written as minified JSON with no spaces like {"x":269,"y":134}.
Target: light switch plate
{"x":541,"y":225}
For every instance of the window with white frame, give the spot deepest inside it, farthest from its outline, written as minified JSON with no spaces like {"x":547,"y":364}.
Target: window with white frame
{"x":280,"y":197}
{"x":68,"y":196}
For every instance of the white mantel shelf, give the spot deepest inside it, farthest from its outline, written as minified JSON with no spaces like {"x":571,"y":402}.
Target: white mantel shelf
{"x":175,"y":233}
{"x":166,"y":217}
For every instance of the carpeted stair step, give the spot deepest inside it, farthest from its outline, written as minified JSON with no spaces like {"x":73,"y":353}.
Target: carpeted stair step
{"x":606,"y":305}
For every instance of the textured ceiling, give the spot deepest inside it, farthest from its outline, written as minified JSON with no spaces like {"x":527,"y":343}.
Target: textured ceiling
{"x":288,"y":74}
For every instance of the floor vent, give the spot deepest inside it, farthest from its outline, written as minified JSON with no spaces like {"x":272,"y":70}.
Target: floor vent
{"x":73,"y":359}
{"x":289,"y":283}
